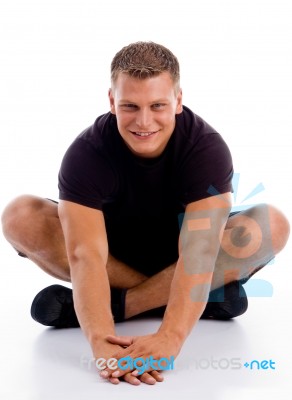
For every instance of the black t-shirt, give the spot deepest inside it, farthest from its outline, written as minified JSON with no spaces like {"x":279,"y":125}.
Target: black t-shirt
{"x":142,"y":199}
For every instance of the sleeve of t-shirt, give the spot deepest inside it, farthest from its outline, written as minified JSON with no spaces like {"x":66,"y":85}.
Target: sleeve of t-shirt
{"x":207,"y":169}
{"x":85,"y":176}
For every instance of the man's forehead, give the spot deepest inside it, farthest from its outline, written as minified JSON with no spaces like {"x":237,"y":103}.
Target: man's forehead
{"x":158,"y":87}
{"x":126,"y":78}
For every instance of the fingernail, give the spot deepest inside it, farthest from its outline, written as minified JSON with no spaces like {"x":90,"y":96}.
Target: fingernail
{"x":104,"y":374}
{"x":116,"y":374}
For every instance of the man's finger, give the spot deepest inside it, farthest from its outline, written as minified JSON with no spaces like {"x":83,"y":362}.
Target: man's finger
{"x":147,"y":378}
{"x":153,"y":373}
{"x":120,"y":340}
{"x":115,"y":381}
{"x":156,"y":375}
{"x":131,"y":379}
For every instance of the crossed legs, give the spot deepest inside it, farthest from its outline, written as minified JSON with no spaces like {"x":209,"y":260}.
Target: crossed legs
{"x":250,"y":240}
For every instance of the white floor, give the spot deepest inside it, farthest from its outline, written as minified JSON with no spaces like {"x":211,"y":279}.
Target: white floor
{"x":42,"y":363}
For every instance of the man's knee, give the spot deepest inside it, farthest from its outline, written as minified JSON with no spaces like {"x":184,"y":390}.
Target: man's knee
{"x":274,"y":222}
{"x":19,"y":214}
{"x":280,"y":228}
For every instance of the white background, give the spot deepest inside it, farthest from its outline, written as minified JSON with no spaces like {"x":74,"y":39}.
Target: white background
{"x":236,"y":64}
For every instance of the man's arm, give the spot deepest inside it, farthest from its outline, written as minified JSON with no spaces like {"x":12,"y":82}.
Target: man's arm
{"x":199,"y":244}
{"x":87,"y":251}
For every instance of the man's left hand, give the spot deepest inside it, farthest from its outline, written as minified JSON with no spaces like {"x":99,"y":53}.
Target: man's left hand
{"x":154,"y":346}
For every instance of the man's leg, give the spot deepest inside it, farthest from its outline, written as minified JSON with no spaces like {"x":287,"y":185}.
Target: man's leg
{"x":250,"y":240}
{"x":32,"y":226}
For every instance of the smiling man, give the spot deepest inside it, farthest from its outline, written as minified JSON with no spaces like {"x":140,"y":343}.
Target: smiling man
{"x":143,"y":226}
{"x":145,"y":123}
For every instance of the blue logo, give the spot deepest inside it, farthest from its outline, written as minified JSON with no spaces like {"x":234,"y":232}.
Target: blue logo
{"x":264,"y":364}
{"x":140,"y":364}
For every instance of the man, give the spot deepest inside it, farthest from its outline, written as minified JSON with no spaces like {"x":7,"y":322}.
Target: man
{"x":143,"y":221}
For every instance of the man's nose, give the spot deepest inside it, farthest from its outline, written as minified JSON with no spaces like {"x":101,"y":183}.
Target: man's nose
{"x":143,"y":119}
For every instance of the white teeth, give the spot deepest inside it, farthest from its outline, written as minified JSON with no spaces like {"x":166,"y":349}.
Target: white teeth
{"x":143,"y":133}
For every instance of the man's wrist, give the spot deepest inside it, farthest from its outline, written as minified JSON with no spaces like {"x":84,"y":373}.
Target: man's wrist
{"x":95,"y":334}
{"x":179,"y":331}
{"x":98,"y":338}
{"x":175,"y":336}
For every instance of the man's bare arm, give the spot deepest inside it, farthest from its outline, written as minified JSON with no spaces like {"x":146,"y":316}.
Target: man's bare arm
{"x":87,"y":250}
{"x":199,"y":244}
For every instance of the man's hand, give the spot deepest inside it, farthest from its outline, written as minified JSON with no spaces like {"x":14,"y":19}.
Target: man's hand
{"x":157,"y":346}
{"x":112,"y":347}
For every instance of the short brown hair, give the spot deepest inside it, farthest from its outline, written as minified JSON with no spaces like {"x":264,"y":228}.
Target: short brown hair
{"x":144,"y":60}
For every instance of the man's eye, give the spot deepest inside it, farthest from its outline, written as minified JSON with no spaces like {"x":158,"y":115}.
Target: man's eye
{"x":158,"y":105}
{"x":129,"y":106}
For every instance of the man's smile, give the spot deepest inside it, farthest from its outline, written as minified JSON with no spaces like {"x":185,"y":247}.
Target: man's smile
{"x":144,"y":134}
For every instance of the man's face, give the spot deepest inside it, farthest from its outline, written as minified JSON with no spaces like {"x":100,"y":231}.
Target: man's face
{"x":145,"y":111}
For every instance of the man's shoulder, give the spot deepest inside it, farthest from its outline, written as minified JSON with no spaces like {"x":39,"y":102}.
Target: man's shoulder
{"x":192,"y":130}
{"x":191,"y":123}
{"x":98,"y":132}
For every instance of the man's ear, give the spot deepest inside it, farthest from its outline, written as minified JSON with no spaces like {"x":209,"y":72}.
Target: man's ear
{"x":179,"y":107}
{"x":112,"y":101}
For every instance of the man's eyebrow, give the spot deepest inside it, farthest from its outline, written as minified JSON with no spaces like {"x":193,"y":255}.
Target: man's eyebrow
{"x":133,"y":102}
{"x":126,"y":101}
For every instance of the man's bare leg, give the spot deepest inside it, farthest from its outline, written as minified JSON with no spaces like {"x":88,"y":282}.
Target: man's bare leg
{"x":250,"y":240}
{"x":32,"y":226}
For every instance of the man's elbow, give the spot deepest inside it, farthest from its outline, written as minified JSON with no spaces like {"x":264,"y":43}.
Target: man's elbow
{"x":81,"y":256}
